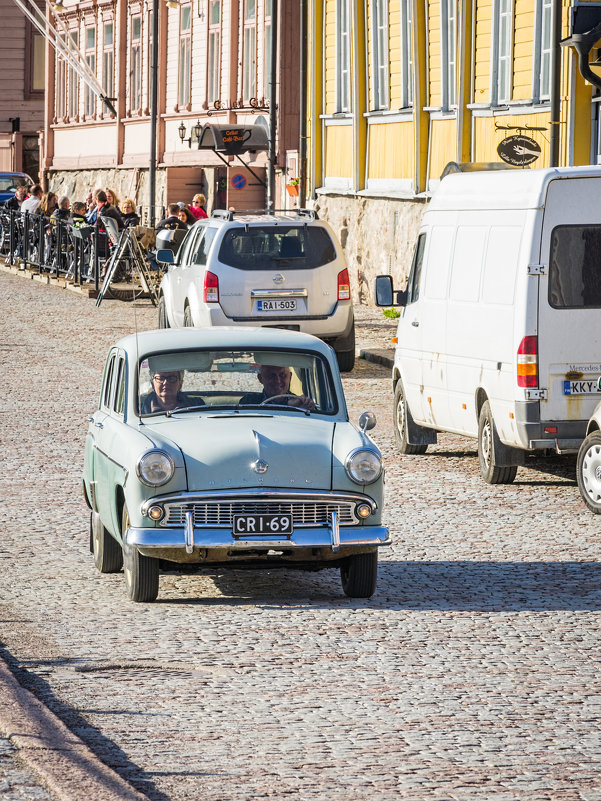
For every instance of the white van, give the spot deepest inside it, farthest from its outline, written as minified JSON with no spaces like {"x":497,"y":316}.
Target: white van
{"x":500,"y":333}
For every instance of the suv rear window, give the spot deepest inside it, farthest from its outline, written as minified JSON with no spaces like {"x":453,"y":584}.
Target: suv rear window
{"x":269,"y":247}
{"x":575,"y":267}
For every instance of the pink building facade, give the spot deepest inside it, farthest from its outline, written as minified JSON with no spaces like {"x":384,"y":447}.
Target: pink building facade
{"x":214,"y":60}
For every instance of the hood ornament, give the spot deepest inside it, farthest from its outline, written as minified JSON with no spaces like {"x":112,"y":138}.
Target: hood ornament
{"x":259,"y":466}
{"x":278,"y":278}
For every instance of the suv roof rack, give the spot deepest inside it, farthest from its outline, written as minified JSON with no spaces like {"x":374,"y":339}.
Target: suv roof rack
{"x":228,"y":214}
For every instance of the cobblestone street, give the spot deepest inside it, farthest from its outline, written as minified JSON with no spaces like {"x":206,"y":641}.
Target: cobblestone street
{"x":472,"y":674}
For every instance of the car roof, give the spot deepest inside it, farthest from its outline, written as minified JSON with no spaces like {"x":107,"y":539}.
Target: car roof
{"x":230,"y":337}
{"x":264,"y":217}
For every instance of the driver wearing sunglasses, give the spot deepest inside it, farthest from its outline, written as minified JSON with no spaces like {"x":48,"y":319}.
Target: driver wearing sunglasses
{"x":166,"y":393}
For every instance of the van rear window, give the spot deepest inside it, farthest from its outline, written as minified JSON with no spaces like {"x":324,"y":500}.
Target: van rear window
{"x":273,"y":247}
{"x":575,"y":267}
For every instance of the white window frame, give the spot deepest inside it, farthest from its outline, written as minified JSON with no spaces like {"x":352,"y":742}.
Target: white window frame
{"x":542,"y":54}
{"x":502,"y":59}
{"x":108,"y":59}
{"x":184,"y":71}
{"x":214,"y":53}
{"x":343,"y":57}
{"x":135,"y":66}
{"x":249,"y":54}
{"x":406,"y":54}
{"x":380,"y":55}
{"x":267,"y":38}
{"x":60,"y":99}
{"x":90,"y":95}
{"x":448,"y":53}
{"x":73,"y":91}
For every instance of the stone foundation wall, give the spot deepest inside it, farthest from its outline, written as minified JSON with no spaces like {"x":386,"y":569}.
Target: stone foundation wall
{"x":127,"y":183}
{"x":377,"y":234}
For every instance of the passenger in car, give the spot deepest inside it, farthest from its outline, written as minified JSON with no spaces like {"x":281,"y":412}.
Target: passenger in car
{"x":166,"y":393}
{"x":276,"y":382}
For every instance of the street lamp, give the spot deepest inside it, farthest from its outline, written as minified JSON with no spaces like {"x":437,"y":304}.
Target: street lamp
{"x":195,"y":133}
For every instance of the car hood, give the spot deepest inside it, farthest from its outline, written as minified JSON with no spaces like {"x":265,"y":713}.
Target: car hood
{"x":223,"y":451}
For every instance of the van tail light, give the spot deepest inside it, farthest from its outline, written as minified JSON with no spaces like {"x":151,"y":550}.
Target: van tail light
{"x":344,"y":285}
{"x":528,"y":362}
{"x":211,"y":288}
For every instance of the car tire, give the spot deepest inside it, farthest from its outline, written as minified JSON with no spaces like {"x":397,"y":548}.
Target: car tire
{"x":588,"y":471}
{"x":346,"y":360}
{"x":188,"y":323}
{"x":401,"y":416}
{"x":108,"y":557}
{"x":141,"y":572}
{"x":359,"y":575}
{"x":163,"y":319}
{"x":490,"y":471}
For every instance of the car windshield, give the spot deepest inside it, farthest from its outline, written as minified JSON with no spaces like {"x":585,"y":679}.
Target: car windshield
{"x":235,"y":380}
{"x":272,"y":247}
{"x":9,"y":183}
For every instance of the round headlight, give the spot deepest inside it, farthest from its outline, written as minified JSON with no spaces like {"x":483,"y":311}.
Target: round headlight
{"x":363,"y":466}
{"x":155,"y":468}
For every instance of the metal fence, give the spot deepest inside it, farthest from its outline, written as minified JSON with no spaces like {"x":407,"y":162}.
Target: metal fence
{"x":56,"y":247}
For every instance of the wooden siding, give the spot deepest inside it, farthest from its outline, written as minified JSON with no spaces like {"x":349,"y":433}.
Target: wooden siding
{"x":390,"y":151}
{"x":487,"y":139}
{"x":443,"y":136}
{"x":339,"y":151}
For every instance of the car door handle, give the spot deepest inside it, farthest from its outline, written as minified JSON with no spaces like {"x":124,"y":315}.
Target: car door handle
{"x":98,"y":425}
{"x":89,"y":419}
{"x":415,"y":323}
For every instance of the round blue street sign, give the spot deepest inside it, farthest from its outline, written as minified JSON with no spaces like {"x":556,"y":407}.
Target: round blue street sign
{"x":238,"y":181}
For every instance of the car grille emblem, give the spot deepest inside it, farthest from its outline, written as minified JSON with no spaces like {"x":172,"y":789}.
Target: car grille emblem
{"x":278,"y":278}
{"x":260,"y":466}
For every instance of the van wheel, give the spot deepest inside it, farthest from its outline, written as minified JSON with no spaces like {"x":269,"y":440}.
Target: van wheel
{"x":359,"y":575}
{"x":141,"y":572}
{"x":188,"y":318}
{"x":588,"y":471}
{"x":490,"y":471}
{"x":401,"y":415}
{"x":163,"y":319}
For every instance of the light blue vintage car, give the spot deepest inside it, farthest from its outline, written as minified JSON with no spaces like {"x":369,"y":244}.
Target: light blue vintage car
{"x":230,"y":447}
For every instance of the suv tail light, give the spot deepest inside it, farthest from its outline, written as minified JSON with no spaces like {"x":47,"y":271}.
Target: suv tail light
{"x":344,"y":285}
{"x":528,"y":362}
{"x":211,"y":288}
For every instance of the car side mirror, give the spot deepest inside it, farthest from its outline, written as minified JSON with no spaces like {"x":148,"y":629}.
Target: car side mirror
{"x":386,"y":294}
{"x":367,"y":421}
{"x":165,"y":256}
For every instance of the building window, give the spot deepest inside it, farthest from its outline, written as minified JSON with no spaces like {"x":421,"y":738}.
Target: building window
{"x":448,"y":19}
{"x":135,"y":73}
{"x":108,"y":60}
{"x":501,"y":52}
{"x":60,"y":103}
{"x":406,"y":54}
{"x":90,"y":96}
{"x":267,"y":49}
{"x":185,"y":35}
{"x":343,"y":57}
{"x":379,"y":17}
{"x":74,"y":82}
{"x":542,"y":50}
{"x":249,"y":62}
{"x":214,"y":60}
{"x":35,"y":63}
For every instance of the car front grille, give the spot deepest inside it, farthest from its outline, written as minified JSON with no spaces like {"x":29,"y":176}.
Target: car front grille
{"x":215,"y":514}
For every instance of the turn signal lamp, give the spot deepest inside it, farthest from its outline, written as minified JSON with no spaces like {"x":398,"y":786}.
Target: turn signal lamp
{"x":344,"y":285}
{"x":211,"y":288}
{"x":156,"y":512}
{"x":363,"y":510}
{"x":527,"y":366}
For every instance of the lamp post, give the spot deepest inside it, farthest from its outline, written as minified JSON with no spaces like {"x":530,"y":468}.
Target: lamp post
{"x":154,"y":91}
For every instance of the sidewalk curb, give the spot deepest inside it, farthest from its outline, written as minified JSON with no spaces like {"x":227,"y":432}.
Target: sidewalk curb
{"x":383,"y":356}
{"x":64,"y":763}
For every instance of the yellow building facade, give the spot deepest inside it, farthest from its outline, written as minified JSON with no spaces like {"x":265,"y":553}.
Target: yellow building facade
{"x":398,"y":89}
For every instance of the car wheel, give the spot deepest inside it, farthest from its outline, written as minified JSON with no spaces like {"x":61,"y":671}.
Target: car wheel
{"x":490,"y":471}
{"x":346,"y":360}
{"x":588,"y":471}
{"x":188,"y":318}
{"x":401,"y":416}
{"x":359,"y":575}
{"x":107,"y":551}
{"x":163,"y":319}
{"x":141,"y":572}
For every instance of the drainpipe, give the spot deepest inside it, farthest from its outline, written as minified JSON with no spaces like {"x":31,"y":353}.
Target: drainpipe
{"x":555,"y":84}
{"x":154,"y":64}
{"x":272,"y":107}
{"x":302,"y":141}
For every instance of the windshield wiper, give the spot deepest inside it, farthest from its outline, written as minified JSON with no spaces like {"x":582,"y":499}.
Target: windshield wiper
{"x":267,"y":406}
{"x":187,"y":409}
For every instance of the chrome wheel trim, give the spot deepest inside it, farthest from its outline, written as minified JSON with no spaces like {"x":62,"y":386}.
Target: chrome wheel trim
{"x":401,"y":417}
{"x":486,"y":442}
{"x":590,"y":470}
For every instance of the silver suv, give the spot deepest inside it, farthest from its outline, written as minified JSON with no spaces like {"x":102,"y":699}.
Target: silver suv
{"x":279,"y":270}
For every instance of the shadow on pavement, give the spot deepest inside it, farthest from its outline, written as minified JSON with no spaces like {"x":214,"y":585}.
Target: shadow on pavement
{"x":446,"y":585}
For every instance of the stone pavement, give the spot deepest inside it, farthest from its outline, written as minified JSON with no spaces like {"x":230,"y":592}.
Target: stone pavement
{"x":472,"y":674}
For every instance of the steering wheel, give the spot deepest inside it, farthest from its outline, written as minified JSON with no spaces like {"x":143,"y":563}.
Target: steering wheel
{"x":283,"y":395}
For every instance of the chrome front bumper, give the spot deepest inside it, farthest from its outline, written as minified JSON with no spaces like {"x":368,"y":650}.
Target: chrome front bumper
{"x":333,"y":537}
